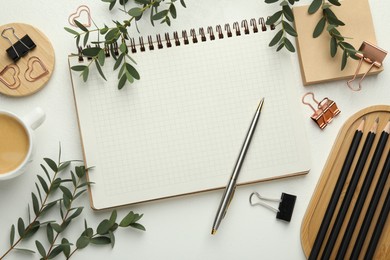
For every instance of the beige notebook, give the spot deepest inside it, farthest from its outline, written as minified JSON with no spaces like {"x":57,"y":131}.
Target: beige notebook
{"x":314,"y":53}
{"x":180,"y":128}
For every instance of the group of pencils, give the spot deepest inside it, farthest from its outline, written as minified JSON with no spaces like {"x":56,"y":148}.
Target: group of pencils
{"x":351,"y":223}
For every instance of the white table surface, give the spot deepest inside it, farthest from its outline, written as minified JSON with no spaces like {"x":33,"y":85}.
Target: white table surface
{"x":176,"y":228}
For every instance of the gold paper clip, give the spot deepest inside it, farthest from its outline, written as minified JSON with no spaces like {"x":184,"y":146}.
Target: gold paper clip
{"x":371,"y":54}
{"x":325,"y":112}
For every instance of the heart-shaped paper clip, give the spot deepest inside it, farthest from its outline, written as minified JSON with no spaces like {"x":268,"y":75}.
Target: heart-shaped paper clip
{"x":77,"y":16}
{"x":9,"y":76}
{"x":35,"y":69}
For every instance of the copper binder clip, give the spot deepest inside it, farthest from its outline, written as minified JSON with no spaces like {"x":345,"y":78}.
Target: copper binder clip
{"x":371,"y":54}
{"x":325,"y":112}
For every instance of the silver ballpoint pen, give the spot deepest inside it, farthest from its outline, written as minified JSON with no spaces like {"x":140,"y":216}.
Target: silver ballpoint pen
{"x":231,"y":187}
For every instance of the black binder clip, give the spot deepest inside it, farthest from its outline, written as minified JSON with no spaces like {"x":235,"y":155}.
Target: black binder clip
{"x":19,"y":48}
{"x":286,"y":205}
{"x":325,"y":112}
{"x":371,"y":54}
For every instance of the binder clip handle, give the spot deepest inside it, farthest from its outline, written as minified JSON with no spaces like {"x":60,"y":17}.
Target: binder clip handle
{"x":370,"y":54}
{"x":21,"y":47}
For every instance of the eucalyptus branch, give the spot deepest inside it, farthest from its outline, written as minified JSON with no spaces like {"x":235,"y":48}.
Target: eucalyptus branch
{"x":119,"y":32}
{"x":104,"y":233}
{"x":283,"y":17}
{"x":330,"y":20}
{"x":39,"y":207}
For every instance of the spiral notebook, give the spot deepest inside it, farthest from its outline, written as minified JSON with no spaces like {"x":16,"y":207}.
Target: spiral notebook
{"x":179,"y":129}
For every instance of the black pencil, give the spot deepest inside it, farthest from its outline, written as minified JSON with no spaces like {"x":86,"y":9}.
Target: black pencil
{"x":337,"y":191}
{"x":371,"y":208}
{"x":363,"y":192}
{"x":350,"y":191}
{"x":380,"y":224}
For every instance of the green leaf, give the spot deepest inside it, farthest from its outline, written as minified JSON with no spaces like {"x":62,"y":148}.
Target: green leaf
{"x":136,"y":11}
{"x":67,"y":201}
{"x":289,"y":45}
{"x":172,"y":10}
{"x":80,"y":171}
{"x":122,"y":81}
{"x":74,"y":180}
{"x":66,"y":192}
{"x":101,"y":57}
{"x":85,"y":74}
{"x":112,"y":35}
{"x":314,"y":6}
{"x":104,"y":30}
{"x":119,"y":61}
{"x":41,"y":249}
{"x":289,"y":29}
{"x":79,"y":67}
{"x":49,"y":233}
{"x":56,"y":227}
{"x":288,"y":13}
{"x":86,"y":36}
{"x":137,"y":226}
{"x":344,"y":60}
{"x":274,"y":18}
{"x":66,"y":247}
{"x":48,"y":207}
{"x":71,"y":31}
{"x":104,"y":227}
{"x":91,"y":52}
{"x":76,"y":213}
{"x":24,"y":250}
{"x":319,"y":27}
{"x":102,"y":240}
{"x":283,"y":3}
{"x":333,"y":46}
{"x":127,"y":220}
{"x":99,"y":69}
{"x":334,"y":2}
{"x":79,"y":193}
{"x":270,"y":1}
{"x":183,"y":4}
{"x":276,"y":38}
{"x":21,"y":227}
{"x":35,"y":203}
{"x":112,"y":238}
{"x":160,"y":15}
{"x":12,"y":235}
{"x":133,"y":72}
{"x":82,"y":242}
{"x":123,"y":48}
{"x":43,"y":184}
{"x":332,"y":18}
{"x":51,"y":164}
{"x":39,"y":192}
{"x":81,"y":26}
{"x":56,"y":251}
{"x":113,"y":216}
{"x":33,"y":229}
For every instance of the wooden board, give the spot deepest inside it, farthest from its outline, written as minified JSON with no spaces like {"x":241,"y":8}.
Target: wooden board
{"x":320,"y":199}
{"x":32,"y":71}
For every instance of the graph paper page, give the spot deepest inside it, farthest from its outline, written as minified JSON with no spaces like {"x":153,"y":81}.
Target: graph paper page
{"x":179,"y":129}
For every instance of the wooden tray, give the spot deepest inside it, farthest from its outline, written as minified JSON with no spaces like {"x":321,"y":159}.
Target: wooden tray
{"x":32,"y":71}
{"x":320,"y":199}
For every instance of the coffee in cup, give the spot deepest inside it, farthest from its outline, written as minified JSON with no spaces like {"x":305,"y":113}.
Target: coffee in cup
{"x":16,"y":141}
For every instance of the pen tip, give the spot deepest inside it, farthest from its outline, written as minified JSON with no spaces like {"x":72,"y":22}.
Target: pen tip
{"x":213,"y":231}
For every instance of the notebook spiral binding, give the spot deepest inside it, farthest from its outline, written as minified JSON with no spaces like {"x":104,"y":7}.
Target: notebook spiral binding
{"x":201,"y":35}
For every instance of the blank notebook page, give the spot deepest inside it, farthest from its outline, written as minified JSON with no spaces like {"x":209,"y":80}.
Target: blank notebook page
{"x":179,"y":129}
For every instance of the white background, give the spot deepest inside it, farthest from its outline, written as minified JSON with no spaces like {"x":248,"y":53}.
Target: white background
{"x":176,"y":228}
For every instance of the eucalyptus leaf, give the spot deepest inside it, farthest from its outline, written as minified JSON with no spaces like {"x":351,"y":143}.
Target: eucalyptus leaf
{"x":101,"y":57}
{"x":63,"y":166}
{"x":136,"y":11}
{"x":46,"y":172}
{"x":21,"y":227}
{"x":289,"y":29}
{"x":333,"y":46}
{"x":274,"y":18}
{"x":334,"y":2}
{"x":24,"y":250}
{"x":49,"y":233}
{"x":35,"y":203}
{"x":39,"y":192}
{"x":104,"y":227}
{"x":319,"y":27}
{"x":81,"y":26}
{"x":112,"y":35}
{"x":91,"y":52}
{"x":276,"y":38}
{"x":76,"y":213}
{"x":85,"y":74}
{"x":122,"y":81}
{"x":34,"y":227}
{"x":65,"y":247}
{"x":43,"y":184}
{"x":289,"y":46}
{"x":137,"y":226}
{"x":102,"y":240}
{"x":80,"y":171}
{"x":183,"y":3}
{"x":127,"y":220}
{"x":79,"y":193}
{"x":71,"y":31}
{"x":66,"y":192}
{"x":100,"y":70}
{"x":79,"y":67}
{"x":51,"y":164}
{"x":172,"y":10}
{"x":40,"y":248}
{"x":160,"y":15}
{"x":288,"y":13}
{"x":314,"y":6}
{"x":112,"y":238}
{"x":271,"y":1}
{"x":82,"y":242}
{"x":86,"y":37}
{"x":12,"y":235}
{"x":56,"y":251}
{"x":48,"y":207}
{"x":344,"y":60}
{"x":113,"y":216}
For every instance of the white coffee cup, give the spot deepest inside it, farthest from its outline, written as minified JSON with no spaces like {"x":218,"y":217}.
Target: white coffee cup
{"x":16,"y":141}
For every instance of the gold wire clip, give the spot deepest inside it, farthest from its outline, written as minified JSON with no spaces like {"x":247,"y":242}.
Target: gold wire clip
{"x":325,"y":112}
{"x":371,"y":54}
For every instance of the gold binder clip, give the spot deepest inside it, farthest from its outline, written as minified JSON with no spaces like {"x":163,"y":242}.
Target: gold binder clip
{"x":371,"y":54}
{"x":325,"y":112}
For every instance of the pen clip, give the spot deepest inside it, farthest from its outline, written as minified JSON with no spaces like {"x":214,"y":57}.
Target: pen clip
{"x":230,"y":200}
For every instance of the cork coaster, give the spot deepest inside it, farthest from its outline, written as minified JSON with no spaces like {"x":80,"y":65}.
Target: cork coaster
{"x":30,"y":72}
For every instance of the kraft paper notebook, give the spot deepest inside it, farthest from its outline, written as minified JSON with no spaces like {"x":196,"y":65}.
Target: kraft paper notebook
{"x":180,"y":128}
{"x":314,"y":53}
